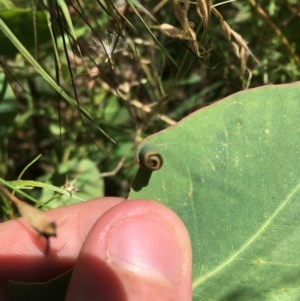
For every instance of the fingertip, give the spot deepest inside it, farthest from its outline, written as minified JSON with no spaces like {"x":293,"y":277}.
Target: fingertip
{"x":139,"y":247}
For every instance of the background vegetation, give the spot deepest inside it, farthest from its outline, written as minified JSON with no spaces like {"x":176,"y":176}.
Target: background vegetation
{"x":130,"y":69}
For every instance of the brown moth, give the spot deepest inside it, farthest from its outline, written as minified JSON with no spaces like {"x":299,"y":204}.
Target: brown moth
{"x":35,"y":217}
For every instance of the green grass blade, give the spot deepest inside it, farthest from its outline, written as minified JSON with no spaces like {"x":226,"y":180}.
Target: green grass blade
{"x":45,"y":75}
{"x":134,"y":5}
{"x":28,"y":165}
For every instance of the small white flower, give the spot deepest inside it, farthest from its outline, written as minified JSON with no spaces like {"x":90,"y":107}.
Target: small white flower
{"x":70,"y":186}
{"x":109,"y":45}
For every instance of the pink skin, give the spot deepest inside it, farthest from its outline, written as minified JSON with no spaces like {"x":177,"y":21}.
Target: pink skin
{"x":120,"y":250}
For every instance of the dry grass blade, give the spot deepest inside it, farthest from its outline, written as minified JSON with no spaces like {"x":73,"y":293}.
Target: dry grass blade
{"x":277,"y":30}
{"x":181,"y":15}
{"x":203,"y":10}
{"x":35,"y":217}
{"x":135,"y":6}
{"x":226,"y":29}
{"x":192,"y":40}
{"x":239,"y":45}
{"x":171,"y":31}
{"x":136,"y":103}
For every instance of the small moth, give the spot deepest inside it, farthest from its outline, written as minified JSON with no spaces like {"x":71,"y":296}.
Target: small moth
{"x":35,"y":217}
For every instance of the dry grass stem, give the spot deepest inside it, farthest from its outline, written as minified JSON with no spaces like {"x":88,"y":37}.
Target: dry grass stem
{"x":277,"y":30}
{"x":181,"y":14}
{"x":137,"y":104}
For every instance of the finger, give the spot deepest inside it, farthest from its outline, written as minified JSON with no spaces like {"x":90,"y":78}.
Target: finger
{"x":22,"y":251}
{"x":138,"y":250}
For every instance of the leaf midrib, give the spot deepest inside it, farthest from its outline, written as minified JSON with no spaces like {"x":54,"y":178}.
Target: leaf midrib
{"x":198,"y":281}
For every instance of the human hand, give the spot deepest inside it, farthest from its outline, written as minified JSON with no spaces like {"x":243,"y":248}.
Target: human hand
{"x":120,"y":250}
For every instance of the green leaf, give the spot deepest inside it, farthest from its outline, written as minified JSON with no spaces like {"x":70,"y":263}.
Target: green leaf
{"x":83,"y":175}
{"x":20,"y":22}
{"x":8,"y":108}
{"x":231,"y":172}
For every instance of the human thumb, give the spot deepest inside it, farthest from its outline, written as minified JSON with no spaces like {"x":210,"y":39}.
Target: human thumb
{"x":138,"y":250}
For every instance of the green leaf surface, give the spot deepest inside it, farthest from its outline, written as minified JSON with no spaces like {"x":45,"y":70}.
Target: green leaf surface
{"x":231,"y":171}
{"x":20,"y":22}
{"x":85,"y":178}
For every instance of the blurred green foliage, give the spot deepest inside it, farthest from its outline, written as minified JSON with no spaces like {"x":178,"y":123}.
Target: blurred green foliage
{"x":116,"y":61}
